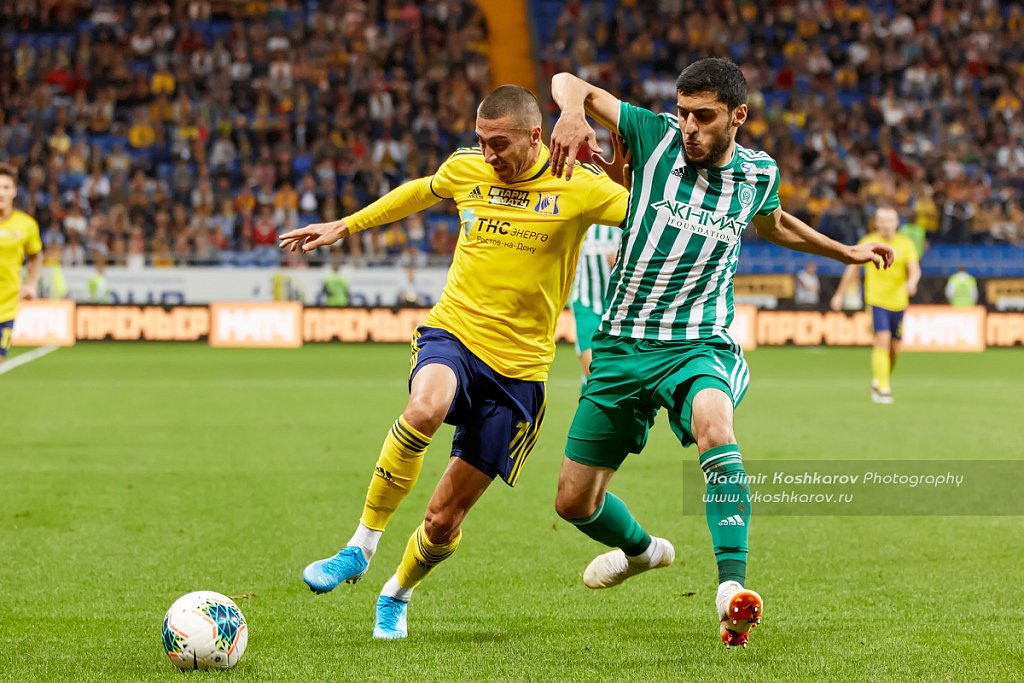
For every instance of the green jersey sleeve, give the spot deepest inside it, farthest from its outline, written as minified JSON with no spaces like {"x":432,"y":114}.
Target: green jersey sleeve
{"x":771,"y":198}
{"x":642,"y":130}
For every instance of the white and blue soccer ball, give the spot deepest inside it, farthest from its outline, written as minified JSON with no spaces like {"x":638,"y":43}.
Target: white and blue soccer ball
{"x":205,"y":630}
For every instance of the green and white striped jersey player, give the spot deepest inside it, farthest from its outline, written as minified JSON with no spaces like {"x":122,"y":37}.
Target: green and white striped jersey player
{"x":597,"y":257}
{"x":682,"y":241}
{"x":663,"y":340}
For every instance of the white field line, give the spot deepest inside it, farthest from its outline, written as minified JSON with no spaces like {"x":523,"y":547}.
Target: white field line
{"x":24,"y":358}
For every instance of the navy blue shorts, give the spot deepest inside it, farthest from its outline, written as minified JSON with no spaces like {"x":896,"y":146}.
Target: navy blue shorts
{"x":497,"y":419}
{"x":6,"y":335}
{"x":884,"y":320}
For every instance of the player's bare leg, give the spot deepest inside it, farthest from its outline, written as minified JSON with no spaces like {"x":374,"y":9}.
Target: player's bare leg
{"x":397,"y":469}
{"x":434,"y":541}
{"x":583,"y":500}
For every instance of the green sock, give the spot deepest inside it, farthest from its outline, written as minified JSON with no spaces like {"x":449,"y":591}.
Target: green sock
{"x":727,"y":506}
{"x":613,"y":525}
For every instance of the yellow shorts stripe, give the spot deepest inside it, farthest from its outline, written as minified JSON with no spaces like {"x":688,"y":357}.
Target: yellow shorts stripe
{"x":525,"y":447}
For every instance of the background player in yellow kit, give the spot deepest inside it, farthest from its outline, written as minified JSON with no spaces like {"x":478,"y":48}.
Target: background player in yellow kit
{"x":19,"y":237}
{"x":887,"y":293}
{"x":482,"y":358}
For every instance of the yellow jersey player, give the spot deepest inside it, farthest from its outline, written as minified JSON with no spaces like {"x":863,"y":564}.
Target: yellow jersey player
{"x":481,"y":359}
{"x":887,"y":293}
{"x":19,"y":237}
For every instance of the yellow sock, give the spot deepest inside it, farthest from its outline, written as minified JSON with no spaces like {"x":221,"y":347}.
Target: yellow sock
{"x":880,"y":367}
{"x":398,"y":468}
{"x":421,"y":556}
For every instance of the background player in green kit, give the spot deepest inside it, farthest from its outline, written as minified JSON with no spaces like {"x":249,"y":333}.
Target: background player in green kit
{"x":663,"y":341}
{"x":597,"y":256}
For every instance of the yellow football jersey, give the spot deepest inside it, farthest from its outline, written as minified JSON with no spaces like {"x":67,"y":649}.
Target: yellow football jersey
{"x":19,"y":235}
{"x":514,"y":263}
{"x":888,"y":288}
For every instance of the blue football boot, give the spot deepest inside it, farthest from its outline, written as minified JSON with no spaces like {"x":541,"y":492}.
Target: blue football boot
{"x":392,"y":618}
{"x":349,"y":565}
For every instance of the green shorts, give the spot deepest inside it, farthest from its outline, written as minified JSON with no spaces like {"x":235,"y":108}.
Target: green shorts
{"x":587,"y":323}
{"x":630,"y":379}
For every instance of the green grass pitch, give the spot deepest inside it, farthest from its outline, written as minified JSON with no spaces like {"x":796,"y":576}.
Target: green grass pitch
{"x":132,"y":474}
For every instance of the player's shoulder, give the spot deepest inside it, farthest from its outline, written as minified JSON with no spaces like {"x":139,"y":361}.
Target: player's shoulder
{"x":870,"y":237}
{"x":464,"y":151}
{"x":20,"y":216}
{"x":754,"y":159}
{"x":590,"y":171}
{"x":590,"y":180}
{"x":465,"y":156}
{"x":645,"y":127}
{"x":22,"y":222}
{"x":756,"y":167}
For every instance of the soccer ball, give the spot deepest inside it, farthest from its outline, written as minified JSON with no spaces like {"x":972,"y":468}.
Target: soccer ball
{"x":205,"y":630}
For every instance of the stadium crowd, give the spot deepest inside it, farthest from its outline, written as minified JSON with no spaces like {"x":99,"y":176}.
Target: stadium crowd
{"x":195,"y":131}
{"x":914,"y":103}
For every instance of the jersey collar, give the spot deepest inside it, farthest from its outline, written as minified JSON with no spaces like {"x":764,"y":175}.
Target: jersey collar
{"x":537,"y":170}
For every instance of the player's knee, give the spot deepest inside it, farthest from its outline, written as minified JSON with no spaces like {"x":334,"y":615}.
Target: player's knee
{"x":441,"y":525}
{"x":715,"y":435}
{"x":573,"y":504}
{"x":425,"y":413}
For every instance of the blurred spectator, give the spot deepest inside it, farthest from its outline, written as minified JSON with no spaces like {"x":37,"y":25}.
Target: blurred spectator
{"x":318,"y":108}
{"x":220,"y":106}
{"x":99,"y":288}
{"x":396,"y":240}
{"x":335,"y":288}
{"x":807,"y":290}
{"x":73,"y":253}
{"x":900,"y":103}
{"x":917,"y":235}
{"x":410,"y":294}
{"x":962,"y":288}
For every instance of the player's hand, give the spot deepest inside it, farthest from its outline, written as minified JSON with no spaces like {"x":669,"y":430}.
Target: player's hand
{"x":314,"y":236}
{"x":27,"y":292}
{"x":837,"y":302}
{"x":571,"y":132}
{"x":871,"y":252}
{"x":618,"y":167}
{"x":911,"y":289}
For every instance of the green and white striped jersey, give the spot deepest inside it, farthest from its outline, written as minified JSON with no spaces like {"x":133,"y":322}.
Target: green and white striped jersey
{"x":594,"y":270}
{"x":681,"y":239}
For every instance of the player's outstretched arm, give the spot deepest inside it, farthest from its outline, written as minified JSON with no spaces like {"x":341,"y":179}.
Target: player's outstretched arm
{"x":578,"y":99}
{"x":401,"y":202}
{"x":314,"y":235}
{"x":789,"y":231}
